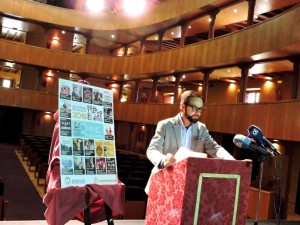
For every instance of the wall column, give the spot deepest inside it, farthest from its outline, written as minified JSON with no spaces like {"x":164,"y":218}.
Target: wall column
{"x":125,"y":50}
{"x":243,"y":83}
{"x":121,"y":85}
{"x":135,"y":94}
{"x":205,"y":84}
{"x":87,"y":44}
{"x":142,"y":47}
{"x":160,"y":40}
{"x":154,"y":89}
{"x":177,"y":83}
{"x":211,"y":29}
{"x":251,"y":8}
{"x":295,"y":93}
{"x":183,"y":33}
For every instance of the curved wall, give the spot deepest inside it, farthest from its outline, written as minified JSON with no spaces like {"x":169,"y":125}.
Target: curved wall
{"x":166,"y":11}
{"x":278,"y":37}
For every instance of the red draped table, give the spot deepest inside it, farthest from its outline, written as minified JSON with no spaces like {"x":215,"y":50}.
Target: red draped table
{"x":64,"y":204}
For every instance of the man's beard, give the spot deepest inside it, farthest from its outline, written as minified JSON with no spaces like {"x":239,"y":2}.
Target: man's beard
{"x":191,"y":119}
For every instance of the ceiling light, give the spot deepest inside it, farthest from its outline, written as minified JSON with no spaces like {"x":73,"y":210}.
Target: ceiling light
{"x":95,"y":5}
{"x":235,"y":10}
{"x":189,"y":27}
{"x":113,"y":36}
{"x":134,"y":7}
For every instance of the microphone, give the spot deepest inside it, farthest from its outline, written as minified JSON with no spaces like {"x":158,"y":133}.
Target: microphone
{"x":244,"y":142}
{"x":257,"y":135}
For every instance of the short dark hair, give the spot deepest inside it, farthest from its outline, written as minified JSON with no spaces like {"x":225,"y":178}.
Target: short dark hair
{"x":185,"y":96}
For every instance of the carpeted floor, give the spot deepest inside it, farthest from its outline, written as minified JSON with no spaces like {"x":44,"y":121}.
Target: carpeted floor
{"x":24,"y":201}
{"x":40,"y":188}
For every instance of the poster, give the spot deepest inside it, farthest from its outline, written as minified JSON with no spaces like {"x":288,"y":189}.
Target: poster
{"x":87,"y":139}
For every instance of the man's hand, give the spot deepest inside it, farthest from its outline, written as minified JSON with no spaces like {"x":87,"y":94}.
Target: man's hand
{"x":169,"y":160}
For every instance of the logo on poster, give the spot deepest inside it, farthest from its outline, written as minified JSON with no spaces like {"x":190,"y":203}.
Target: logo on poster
{"x":78,"y":181}
{"x":67,"y":180}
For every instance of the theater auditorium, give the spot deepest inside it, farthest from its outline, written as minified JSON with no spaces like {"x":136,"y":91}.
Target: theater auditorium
{"x":139,"y":57}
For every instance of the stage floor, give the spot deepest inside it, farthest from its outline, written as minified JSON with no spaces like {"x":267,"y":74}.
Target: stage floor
{"x":133,"y":222}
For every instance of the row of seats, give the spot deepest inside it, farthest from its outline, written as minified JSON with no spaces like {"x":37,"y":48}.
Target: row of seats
{"x":34,"y":150}
{"x":3,"y":202}
{"x":134,"y":171}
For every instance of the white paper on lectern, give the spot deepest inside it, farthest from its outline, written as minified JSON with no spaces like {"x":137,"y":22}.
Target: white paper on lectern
{"x":184,"y":153}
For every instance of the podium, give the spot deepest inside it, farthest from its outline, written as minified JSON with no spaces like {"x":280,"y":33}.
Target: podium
{"x":200,"y":191}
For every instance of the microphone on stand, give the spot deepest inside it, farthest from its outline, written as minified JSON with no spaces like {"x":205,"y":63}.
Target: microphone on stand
{"x":244,"y":142}
{"x":258,"y":136}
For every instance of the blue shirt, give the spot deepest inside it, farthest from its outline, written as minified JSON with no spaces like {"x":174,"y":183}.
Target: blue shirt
{"x":186,"y":135}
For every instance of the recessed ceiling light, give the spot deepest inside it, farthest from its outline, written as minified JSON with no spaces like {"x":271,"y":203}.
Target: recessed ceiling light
{"x":134,"y":7}
{"x":95,"y":5}
{"x":235,"y":10}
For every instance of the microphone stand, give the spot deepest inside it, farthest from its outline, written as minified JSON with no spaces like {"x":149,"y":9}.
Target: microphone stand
{"x":261,"y":160}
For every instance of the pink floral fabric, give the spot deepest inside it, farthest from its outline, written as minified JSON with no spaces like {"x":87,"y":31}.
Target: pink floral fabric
{"x":172,"y":197}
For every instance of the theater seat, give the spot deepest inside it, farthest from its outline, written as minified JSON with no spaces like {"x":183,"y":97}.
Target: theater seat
{"x":42,"y":172}
{"x":135,"y":203}
{"x":3,"y":208}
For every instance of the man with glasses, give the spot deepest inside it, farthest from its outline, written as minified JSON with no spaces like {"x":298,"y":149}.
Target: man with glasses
{"x":183,"y":131}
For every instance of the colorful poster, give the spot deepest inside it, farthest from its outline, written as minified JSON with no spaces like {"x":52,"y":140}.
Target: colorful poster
{"x":87,"y":139}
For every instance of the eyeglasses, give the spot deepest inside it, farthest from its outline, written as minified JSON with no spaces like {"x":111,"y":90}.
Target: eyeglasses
{"x":196,"y":109}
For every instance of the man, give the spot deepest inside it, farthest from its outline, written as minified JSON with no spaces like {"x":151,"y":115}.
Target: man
{"x":183,"y":130}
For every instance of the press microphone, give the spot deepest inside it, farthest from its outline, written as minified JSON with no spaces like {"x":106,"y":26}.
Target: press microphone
{"x":258,"y":136}
{"x":244,"y":142}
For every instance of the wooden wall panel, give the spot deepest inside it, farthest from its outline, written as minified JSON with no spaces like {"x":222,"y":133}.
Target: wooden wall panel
{"x":144,"y":113}
{"x":28,"y":99}
{"x":229,"y":49}
{"x":280,"y":120}
{"x":277,"y":120}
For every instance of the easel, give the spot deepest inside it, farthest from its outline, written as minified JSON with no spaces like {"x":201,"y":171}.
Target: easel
{"x":87,"y":215}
